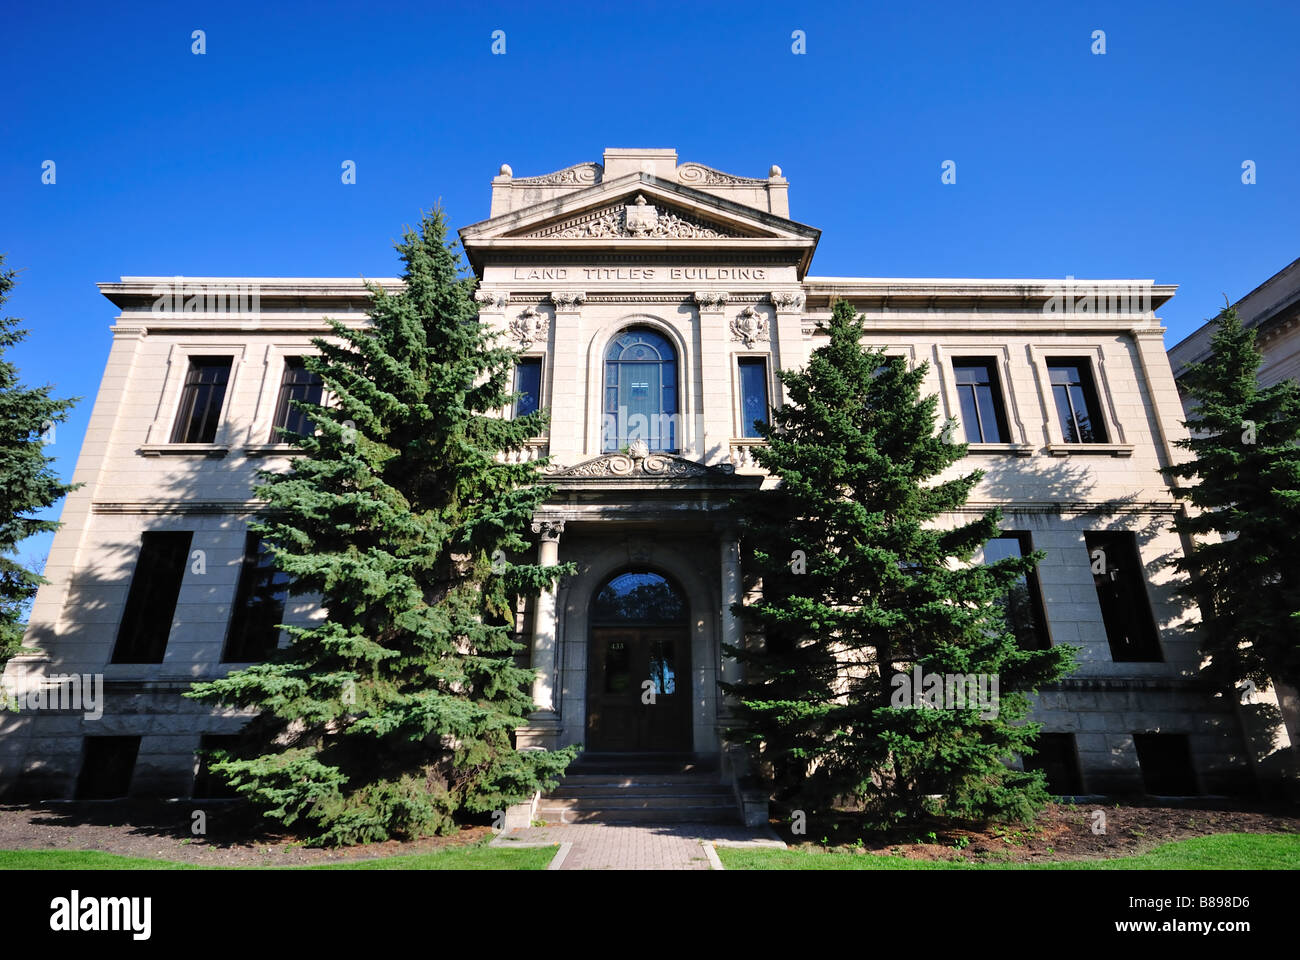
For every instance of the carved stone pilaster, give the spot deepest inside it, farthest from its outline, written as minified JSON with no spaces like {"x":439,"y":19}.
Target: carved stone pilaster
{"x":568,"y":299}
{"x":492,"y":299}
{"x":711,"y":299}
{"x":787,"y":301}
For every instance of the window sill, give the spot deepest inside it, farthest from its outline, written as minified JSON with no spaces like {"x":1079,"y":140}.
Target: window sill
{"x":1108,"y":449}
{"x":214,"y":450}
{"x":1019,"y":449}
{"x":271,"y":450}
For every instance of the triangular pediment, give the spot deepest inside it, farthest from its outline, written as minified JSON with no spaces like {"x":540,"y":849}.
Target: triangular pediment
{"x":639,"y":208}
{"x":637,"y":218}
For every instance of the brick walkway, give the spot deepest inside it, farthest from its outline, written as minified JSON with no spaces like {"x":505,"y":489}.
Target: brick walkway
{"x":614,"y":846}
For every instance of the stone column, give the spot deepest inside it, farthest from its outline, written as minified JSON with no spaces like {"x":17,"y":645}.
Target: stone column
{"x":544,"y":632}
{"x":733,"y":629}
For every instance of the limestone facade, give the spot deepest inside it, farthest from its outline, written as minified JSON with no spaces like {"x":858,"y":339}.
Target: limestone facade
{"x":710,"y":265}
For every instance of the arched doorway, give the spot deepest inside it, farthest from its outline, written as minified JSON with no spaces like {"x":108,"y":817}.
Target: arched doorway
{"x":638,"y":667}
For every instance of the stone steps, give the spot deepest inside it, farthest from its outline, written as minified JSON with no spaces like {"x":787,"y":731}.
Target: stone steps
{"x":640,"y":788}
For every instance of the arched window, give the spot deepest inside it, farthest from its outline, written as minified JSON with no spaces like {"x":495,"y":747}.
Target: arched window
{"x":638,"y":597}
{"x":640,"y":391}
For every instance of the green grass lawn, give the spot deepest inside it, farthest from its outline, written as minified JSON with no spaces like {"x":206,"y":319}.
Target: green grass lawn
{"x":475,"y":857}
{"x":1228,"y":851}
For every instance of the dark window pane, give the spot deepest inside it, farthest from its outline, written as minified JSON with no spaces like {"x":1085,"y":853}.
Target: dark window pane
{"x":201,"y":400}
{"x":297,"y":383}
{"x":1023,"y":604}
{"x":1077,"y":407}
{"x":1121,"y":590}
{"x":528,"y":383}
{"x":662,"y":672}
{"x":1056,"y":756}
{"x":151,"y":601}
{"x":106,"y":767}
{"x":753,"y":395}
{"x":259,"y":606}
{"x":618,"y":666}
{"x":1166,"y":762}
{"x":980,"y":395}
{"x":638,"y":598}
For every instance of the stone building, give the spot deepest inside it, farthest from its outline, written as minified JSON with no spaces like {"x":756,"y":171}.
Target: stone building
{"x":1273,"y":310}
{"x":654,"y":301}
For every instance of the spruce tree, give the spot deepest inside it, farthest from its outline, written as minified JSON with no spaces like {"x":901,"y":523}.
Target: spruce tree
{"x":396,"y":711}
{"x":28,"y":482}
{"x":859,"y":587}
{"x":1242,"y":481}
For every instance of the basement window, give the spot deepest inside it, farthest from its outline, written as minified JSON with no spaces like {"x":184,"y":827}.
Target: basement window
{"x":1166,"y":762}
{"x":1058,"y":759}
{"x":106,"y":767}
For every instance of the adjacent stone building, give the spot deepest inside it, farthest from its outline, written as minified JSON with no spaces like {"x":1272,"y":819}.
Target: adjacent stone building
{"x":1273,"y":310}
{"x":654,"y":302}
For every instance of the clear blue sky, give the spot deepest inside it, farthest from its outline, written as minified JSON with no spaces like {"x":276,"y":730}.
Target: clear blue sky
{"x":1125,"y":165}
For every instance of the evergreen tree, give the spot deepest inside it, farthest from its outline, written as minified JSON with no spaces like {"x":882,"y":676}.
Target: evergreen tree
{"x":859,"y":587}
{"x":397,"y":710}
{"x":27,"y":479}
{"x":1243,"y":483}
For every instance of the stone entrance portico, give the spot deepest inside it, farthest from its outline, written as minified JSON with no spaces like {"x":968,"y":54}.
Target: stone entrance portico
{"x":669,"y":517}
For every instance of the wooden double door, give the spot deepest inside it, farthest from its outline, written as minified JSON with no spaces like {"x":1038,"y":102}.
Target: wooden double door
{"x":639,"y":689}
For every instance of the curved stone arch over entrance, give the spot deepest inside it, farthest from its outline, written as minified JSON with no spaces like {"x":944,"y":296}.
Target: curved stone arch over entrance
{"x":693,"y":579}
{"x":687,"y":378}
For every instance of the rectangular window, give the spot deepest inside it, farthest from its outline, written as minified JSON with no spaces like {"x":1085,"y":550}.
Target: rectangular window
{"x":1121,"y":591}
{"x":151,"y":601}
{"x":753,"y":394}
{"x":1056,"y":756}
{"x":1077,"y":406}
{"x":106,"y":767}
{"x":1166,"y":762}
{"x":528,"y":384}
{"x":259,"y":606}
{"x":208,"y":785}
{"x":296,"y":383}
{"x":201,"y":399}
{"x":1024,"y":601}
{"x":979,"y":393}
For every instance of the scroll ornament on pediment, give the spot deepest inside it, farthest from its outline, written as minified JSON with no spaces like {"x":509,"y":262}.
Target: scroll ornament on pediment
{"x":582,"y":174}
{"x":699,"y":173}
{"x":638,"y":220}
{"x":639,"y":462}
{"x":530,"y":325}
{"x":749,"y":326}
